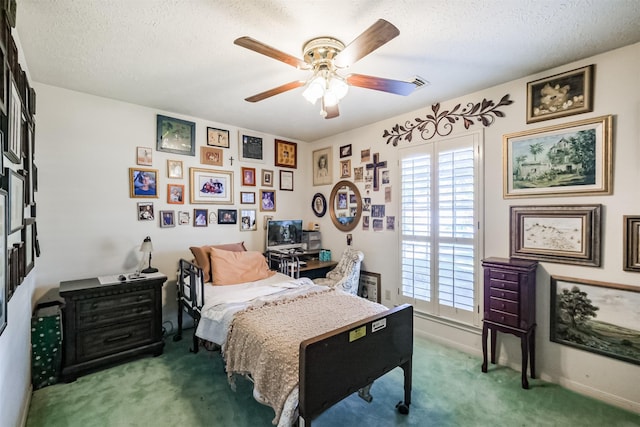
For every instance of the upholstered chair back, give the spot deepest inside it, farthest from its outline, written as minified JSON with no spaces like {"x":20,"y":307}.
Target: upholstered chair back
{"x":346,"y":273}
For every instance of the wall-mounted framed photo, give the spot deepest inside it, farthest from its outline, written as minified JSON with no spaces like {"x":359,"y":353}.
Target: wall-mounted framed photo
{"x":250,"y":148}
{"x":175,"y":194}
{"x":286,"y":180}
{"x":174,"y":169}
{"x":322,"y":172}
{"x":167,"y":219}
{"x":217,"y":137}
{"x":560,"y":95}
{"x":200,"y":217}
{"x":29,"y":239}
{"x":566,"y":234}
{"x":631,"y":236}
{"x":267,"y":178}
{"x":319,"y":205}
{"x":146,"y":211}
{"x":211,"y":186}
{"x":176,"y":136}
{"x":286,"y":154}
{"x":184,"y":218}
{"x":227,"y":216}
{"x":345,"y":168}
{"x":370,"y":284}
{"x":13,"y":144}
{"x":267,"y":200}
{"x":248,"y":220}
{"x":144,"y":156}
{"x":247,"y":197}
{"x":596,"y":316}
{"x":143,"y":182}
{"x":4,"y":264}
{"x":345,"y":151}
{"x":14,"y":184}
{"x":248,"y":176}
{"x":211,"y":156}
{"x":570,"y":159}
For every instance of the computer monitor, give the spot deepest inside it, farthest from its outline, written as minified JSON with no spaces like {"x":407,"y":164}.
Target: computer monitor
{"x":284,"y":234}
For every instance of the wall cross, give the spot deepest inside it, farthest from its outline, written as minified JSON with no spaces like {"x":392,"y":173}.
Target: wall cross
{"x":375,"y":166}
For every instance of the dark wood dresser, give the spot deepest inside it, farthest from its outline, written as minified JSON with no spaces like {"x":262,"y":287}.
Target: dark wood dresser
{"x":510,"y":307}
{"x":105,"y":324}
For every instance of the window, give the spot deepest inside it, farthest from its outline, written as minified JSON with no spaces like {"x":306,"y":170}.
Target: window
{"x":440,"y":217}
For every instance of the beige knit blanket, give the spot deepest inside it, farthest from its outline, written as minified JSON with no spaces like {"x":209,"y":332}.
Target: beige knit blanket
{"x":264,"y":341}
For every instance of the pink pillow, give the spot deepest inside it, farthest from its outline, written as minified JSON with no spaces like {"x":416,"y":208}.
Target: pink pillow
{"x":201,"y":254}
{"x":231,"y":268}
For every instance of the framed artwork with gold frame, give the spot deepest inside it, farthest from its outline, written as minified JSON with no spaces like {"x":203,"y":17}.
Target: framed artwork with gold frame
{"x":286,"y":154}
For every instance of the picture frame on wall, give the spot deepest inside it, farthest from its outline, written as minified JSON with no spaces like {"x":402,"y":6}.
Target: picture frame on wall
{"x":566,"y":234}
{"x":4,"y":261}
{"x":247,"y":197}
{"x":286,"y":154}
{"x":319,"y":205}
{"x":143,"y":183}
{"x":560,"y":95}
{"x":286,"y":180}
{"x":13,"y":149}
{"x":250,"y":148}
{"x":176,"y":136}
{"x":28,"y":238}
{"x":200,"y":217}
{"x":227,"y":216}
{"x":248,"y":220}
{"x":14,"y":184}
{"x":167,"y":219}
{"x":217,"y":137}
{"x":175,"y":194}
{"x":603,"y":319}
{"x":174,"y":169}
{"x":211,"y":186}
{"x":322,"y":166}
{"x":146,"y":211}
{"x":248,"y":176}
{"x":211,"y":156}
{"x":631,"y":234}
{"x":267,"y":178}
{"x":369,"y":286}
{"x":144,"y":156}
{"x":267,"y":200}
{"x":569,"y":159}
{"x":345,"y":151}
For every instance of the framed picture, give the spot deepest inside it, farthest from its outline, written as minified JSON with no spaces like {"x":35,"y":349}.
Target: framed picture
{"x":211,"y":156}
{"x":213,"y":217}
{"x":595,"y":316}
{"x":167,"y":219}
{"x":365,"y":155}
{"x":560,"y":95}
{"x":319,"y":205}
{"x":174,"y":169}
{"x":369,"y":286}
{"x":13,"y":149}
{"x":30,"y":181}
{"x":145,"y":211}
{"x":144,"y":156}
{"x":143,"y":182}
{"x":345,"y":151}
{"x":250,"y":148}
{"x":322,"y":173}
{"x":29,"y":238}
{"x":286,"y":154}
{"x":267,"y":178}
{"x":345,"y":168}
{"x":211,"y":186}
{"x":571,"y":159}
{"x":267,"y":200}
{"x":247,"y":197}
{"x":342,"y":200}
{"x":631,"y":243}
{"x":248,"y":176}
{"x":227,"y":216}
{"x":286,"y":180}
{"x":248,"y":220}
{"x":200,"y":217}
{"x":358,"y":174}
{"x":567,"y":234}
{"x":13,"y":183}
{"x":217,"y":137}
{"x":183,"y":218}
{"x":176,"y":136}
{"x":4,"y":264}
{"x":175,"y":194}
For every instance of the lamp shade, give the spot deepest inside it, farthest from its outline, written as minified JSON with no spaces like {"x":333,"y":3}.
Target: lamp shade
{"x":146,"y":246}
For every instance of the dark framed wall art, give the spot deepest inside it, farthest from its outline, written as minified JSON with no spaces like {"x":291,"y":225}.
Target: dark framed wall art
{"x":176,"y":136}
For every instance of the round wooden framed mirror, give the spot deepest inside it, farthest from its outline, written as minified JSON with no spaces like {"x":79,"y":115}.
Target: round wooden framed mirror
{"x":345,"y":205}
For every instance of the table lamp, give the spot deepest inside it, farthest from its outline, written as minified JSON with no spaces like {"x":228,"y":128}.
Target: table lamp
{"x":147,"y":246}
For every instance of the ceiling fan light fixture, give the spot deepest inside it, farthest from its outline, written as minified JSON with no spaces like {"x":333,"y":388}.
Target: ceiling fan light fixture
{"x":315,"y":89}
{"x":338,"y":86}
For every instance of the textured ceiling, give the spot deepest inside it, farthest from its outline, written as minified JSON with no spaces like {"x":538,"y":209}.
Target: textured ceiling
{"x":179,"y":56}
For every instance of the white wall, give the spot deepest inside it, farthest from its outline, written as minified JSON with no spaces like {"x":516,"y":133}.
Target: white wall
{"x":617,"y":92}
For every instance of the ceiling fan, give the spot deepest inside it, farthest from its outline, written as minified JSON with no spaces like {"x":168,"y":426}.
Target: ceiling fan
{"x":324,"y":57}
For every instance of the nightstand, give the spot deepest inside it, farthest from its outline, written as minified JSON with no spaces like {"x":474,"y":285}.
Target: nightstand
{"x":107,"y":322}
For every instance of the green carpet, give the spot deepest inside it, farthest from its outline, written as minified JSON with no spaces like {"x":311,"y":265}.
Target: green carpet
{"x":184,"y":389}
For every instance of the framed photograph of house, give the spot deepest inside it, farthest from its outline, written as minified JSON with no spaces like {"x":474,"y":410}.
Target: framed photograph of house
{"x":267,"y":200}
{"x":227,"y":216}
{"x":175,"y":194}
{"x":174,"y":169}
{"x":631,"y":243}
{"x":143,"y":182}
{"x":248,"y":176}
{"x":217,"y":137}
{"x":286,"y":180}
{"x":286,"y":154}
{"x":250,"y":148}
{"x":267,"y":178}
{"x":570,"y":159}
{"x":176,"y":136}
{"x":247,"y":197}
{"x":211,"y":186}
{"x":200,"y":217}
{"x":211,"y":156}
{"x":322,"y":173}
{"x":14,"y":184}
{"x":560,"y":95}
{"x":144,"y":156}
{"x":596,"y":316}
{"x":566,"y":234}
{"x":146,"y":211}
{"x":167,"y":219}
{"x":248,"y":220}
{"x":370,"y":286}
{"x":4,"y":264}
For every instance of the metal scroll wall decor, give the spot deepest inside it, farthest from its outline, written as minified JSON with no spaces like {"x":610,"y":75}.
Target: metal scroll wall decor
{"x":441,"y":122}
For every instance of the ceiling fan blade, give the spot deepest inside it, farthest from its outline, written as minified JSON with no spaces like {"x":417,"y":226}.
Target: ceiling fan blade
{"x":371,"y":39}
{"x":398,"y":87}
{"x":271,"y":52}
{"x":332,"y":111}
{"x":275,"y":91}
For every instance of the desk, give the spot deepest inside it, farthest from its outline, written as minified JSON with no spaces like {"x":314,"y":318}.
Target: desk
{"x":315,"y":268}
{"x":288,"y":264}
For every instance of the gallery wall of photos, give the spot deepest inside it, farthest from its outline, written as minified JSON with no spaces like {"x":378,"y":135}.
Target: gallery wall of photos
{"x":19,"y":245}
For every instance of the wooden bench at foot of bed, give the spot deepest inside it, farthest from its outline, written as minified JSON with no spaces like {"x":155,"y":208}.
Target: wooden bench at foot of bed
{"x":337,"y":364}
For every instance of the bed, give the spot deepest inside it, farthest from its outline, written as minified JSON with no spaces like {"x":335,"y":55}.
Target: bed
{"x":275,"y":331}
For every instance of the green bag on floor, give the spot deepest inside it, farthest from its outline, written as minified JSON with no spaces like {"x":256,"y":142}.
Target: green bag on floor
{"x":46,"y":345}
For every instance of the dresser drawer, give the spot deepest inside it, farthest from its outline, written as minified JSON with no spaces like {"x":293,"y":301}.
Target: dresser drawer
{"x":504,"y":305}
{"x":504,"y":318}
{"x":504,"y":284}
{"x":97,"y":318}
{"x":95,"y":343}
{"x":499,"y":293}
{"x":503,"y":275}
{"x":110,"y":302}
